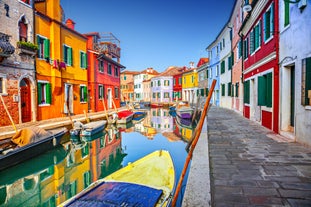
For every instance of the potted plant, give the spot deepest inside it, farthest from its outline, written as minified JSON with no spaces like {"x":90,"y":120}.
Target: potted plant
{"x":27,"y":45}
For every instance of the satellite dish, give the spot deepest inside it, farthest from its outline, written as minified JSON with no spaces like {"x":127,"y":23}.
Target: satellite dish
{"x":247,"y":8}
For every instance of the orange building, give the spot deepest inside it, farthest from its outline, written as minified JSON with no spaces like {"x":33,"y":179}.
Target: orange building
{"x":61,"y":63}
{"x":127,"y":85}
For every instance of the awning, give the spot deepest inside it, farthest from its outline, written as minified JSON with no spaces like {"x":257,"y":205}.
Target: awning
{"x":6,"y":49}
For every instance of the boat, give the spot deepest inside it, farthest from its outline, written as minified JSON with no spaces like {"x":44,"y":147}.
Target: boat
{"x":156,"y":105}
{"x":28,"y":143}
{"x":138,"y":115}
{"x":184,"y":110}
{"x":148,"y":181}
{"x":124,"y":116}
{"x":92,"y":128}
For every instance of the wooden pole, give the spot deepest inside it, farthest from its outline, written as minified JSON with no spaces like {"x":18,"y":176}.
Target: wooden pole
{"x":114,"y":105}
{"x":86,"y":118}
{"x":200,"y":125}
{"x":7,"y":111}
{"x":68,"y":111}
{"x":105,"y":110}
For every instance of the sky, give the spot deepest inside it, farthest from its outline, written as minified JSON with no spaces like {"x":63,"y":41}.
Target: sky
{"x":153,"y":33}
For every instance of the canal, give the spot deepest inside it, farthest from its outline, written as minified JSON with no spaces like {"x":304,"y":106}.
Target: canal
{"x":59,"y":174}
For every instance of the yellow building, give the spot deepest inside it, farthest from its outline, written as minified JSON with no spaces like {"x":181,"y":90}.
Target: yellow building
{"x":190,"y":85}
{"x":61,"y":63}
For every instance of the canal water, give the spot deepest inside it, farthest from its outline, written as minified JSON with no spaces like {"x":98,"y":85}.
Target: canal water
{"x":59,"y":174}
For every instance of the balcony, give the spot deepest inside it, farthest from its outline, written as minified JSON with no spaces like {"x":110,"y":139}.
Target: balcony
{"x":27,"y":48}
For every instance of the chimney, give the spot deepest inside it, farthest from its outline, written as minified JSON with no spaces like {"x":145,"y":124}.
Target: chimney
{"x":70,"y":24}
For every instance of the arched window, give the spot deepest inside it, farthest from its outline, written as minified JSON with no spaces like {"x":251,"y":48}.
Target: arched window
{"x":23,"y":30}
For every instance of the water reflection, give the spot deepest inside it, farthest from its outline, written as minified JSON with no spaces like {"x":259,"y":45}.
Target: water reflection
{"x":61,"y":173}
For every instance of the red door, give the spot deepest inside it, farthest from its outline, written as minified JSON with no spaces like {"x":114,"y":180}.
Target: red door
{"x":26,"y":103}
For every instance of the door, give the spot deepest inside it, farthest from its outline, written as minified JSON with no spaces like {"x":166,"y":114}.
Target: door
{"x":25,"y":100}
{"x":68,"y":104}
{"x":109,"y":98}
{"x":292,"y":96}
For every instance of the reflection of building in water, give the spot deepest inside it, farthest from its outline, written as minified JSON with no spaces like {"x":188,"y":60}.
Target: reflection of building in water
{"x":161,"y":120}
{"x":185,"y":132}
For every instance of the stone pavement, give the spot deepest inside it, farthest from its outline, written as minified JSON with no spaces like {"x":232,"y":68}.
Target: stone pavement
{"x":252,"y":166}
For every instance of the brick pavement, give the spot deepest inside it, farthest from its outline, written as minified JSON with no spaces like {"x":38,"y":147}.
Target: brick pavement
{"x":251,"y":166}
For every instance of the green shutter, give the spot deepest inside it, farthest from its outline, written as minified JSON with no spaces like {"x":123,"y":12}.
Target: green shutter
{"x":48,"y":93}
{"x":81,"y":60}
{"x":85,"y":93}
{"x":206,"y":91}
{"x":222,"y":89}
{"x":39,"y":93}
{"x":46,"y":48}
{"x":229,"y":88}
{"x":246,"y":91}
{"x":240,"y":48}
{"x":269,"y":90}
{"x":202,"y":91}
{"x":207,"y":74}
{"x":272,"y":19}
{"x":237,"y":89}
{"x":262,"y":91}
{"x":286,"y":13}
{"x":308,"y":80}
{"x":222,"y":67}
{"x":70,"y":56}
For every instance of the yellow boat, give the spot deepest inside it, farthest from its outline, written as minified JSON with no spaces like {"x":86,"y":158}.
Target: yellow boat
{"x":148,"y":181}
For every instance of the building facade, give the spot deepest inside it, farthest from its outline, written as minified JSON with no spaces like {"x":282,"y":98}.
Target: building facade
{"x":295,"y":70}
{"x":203,"y":78}
{"x":17,"y":62}
{"x":190,"y":85}
{"x":127,"y":85}
{"x":260,"y":34}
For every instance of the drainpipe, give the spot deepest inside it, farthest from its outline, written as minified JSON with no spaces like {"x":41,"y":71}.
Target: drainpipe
{"x":35,"y":101}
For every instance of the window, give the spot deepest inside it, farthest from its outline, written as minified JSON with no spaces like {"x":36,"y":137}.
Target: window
{"x":286,"y":13}
{"x":159,"y":83}
{"x":83,"y":93}
{"x":306,"y":82}
{"x":124,"y":77}
{"x":85,"y":151}
{"x":179,"y":80}
{"x":67,"y":54}
{"x":202,"y":91}
{"x":207,"y":73}
{"x":174,"y":82}
{"x":109,"y":69}
{"x":192,"y":79}
{"x":268,"y":23}
{"x":166,"y":94}
{"x":222,"y":66}
{"x":240,"y":49}
{"x":246,"y":53}
{"x":151,"y":83}
{"x":101,"y":67}
{"x":237,"y":89}
{"x":23,"y":30}
{"x":247,"y":92}
{"x":184,"y":80}
{"x":229,"y":88}
{"x":3,"y":84}
{"x":223,"y":86}
{"x":87,"y":179}
{"x":83,"y":60}
{"x":166,"y":83}
{"x":44,"y":93}
{"x":116,"y":92}
{"x":116,"y":71}
{"x":100,"y":91}
{"x":154,"y":95}
{"x":255,"y":38}
{"x":223,"y":43}
{"x":44,"y":47}
{"x":265,"y":90}
{"x":159,"y":95}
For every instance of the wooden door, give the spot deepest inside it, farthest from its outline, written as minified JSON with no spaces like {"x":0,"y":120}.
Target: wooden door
{"x":25,"y":102}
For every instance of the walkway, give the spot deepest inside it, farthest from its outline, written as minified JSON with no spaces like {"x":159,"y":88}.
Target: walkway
{"x":249,"y":166}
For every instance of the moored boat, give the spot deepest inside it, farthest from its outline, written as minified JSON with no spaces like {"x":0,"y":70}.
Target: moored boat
{"x":124,"y":116}
{"x":92,"y":128}
{"x":148,"y":181}
{"x":138,"y":115}
{"x":28,"y":143}
{"x":183,"y":110}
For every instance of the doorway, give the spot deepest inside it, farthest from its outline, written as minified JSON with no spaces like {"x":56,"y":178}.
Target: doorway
{"x":68,"y":99}
{"x":109,"y":98}
{"x":25,"y":100}
{"x":292,"y":97}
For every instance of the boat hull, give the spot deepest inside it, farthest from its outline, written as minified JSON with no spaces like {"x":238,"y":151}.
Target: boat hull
{"x":92,"y":128}
{"x":32,"y":150}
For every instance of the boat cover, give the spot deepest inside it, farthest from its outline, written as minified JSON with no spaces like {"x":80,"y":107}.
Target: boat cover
{"x":116,"y":194}
{"x":29,"y":135}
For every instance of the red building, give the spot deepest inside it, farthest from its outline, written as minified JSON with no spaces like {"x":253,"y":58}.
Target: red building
{"x":177,"y":84}
{"x":260,"y":37}
{"x":103,"y":71}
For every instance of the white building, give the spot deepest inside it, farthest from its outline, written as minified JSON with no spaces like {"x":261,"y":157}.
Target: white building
{"x":295,"y":70}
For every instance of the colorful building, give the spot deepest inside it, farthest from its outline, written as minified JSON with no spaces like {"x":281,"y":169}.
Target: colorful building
{"x":127,"y":85}
{"x":226,"y":57}
{"x":17,"y":59}
{"x":177,"y":84}
{"x":104,"y":71}
{"x":61,"y":63}
{"x":190,"y":85}
{"x":236,"y":20}
{"x":260,"y":34}
{"x":146,"y":74}
{"x":213,"y":70}
{"x":295,"y":70}
{"x":203,"y":78}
